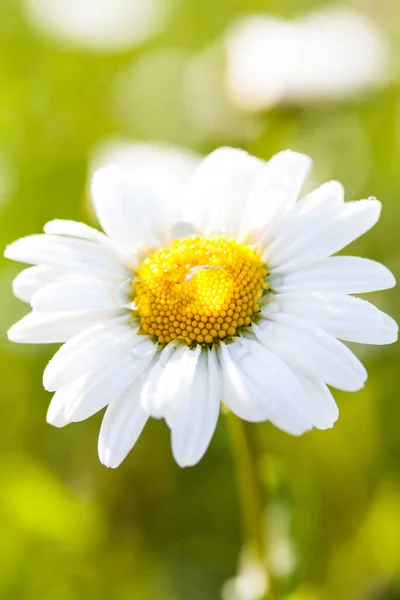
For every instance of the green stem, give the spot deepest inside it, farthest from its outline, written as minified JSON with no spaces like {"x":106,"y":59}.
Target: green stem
{"x":246,"y":455}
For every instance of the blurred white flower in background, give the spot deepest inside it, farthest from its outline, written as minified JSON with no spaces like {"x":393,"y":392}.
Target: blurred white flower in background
{"x":251,"y":581}
{"x":99,"y":24}
{"x":282,"y":552}
{"x":329,"y":54}
{"x":163,"y":169}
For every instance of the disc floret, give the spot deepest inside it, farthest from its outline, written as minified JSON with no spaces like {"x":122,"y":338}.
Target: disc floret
{"x":199,"y":290}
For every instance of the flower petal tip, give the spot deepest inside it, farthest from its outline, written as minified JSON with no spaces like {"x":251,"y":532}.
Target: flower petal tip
{"x":298,"y":157}
{"x":390,"y":279}
{"x":8,"y":250}
{"x":56,"y":418}
{"x":104,"y":176}
{"x":107,"y":459}
{"x":14,"y":334}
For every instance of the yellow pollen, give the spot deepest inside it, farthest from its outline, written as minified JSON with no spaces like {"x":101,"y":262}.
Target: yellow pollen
{"x":198,"y":290}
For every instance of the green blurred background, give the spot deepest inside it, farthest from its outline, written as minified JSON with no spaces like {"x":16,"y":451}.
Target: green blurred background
{"x":70,"y":528}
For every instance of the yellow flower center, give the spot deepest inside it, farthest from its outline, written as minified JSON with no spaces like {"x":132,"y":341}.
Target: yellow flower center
{"x":198,"y":290}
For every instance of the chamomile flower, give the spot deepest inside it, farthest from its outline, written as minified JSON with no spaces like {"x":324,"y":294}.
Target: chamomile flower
{"x":329,"y":54}
{"x":229,"y":293}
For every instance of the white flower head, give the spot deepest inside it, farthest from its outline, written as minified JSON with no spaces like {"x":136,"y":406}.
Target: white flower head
{"x":230,"y":293}
{"x":98,"y":25}
{"x":329,"y":54}
{"x":162,"y":168}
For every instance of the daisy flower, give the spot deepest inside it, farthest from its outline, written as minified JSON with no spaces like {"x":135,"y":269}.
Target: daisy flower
{"x":329,"y":54}
{"x":228,"y":294}
{"x":97,"y":25}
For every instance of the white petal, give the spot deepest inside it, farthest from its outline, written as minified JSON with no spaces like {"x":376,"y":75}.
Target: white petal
{"x":275,"y":191}
{"x":75,"y":229}
{"x":319,"y":236}
{"x":55,"y":413}
{"x":75,"y":295}
{"x":347,"y":318}
{"x":338,"y":274}
{"x":126,"y":213}
{"x":103,"y":387}
{"x":162,"y":382}
{"x":331,"y":192}
{"x":194,"y":413}
{"x":290,"y":420}
{"x":219,"y":189}
{"x":257,"y":386}
{"x":240,"y":393}
{"x":385,"y":333}
{"x":91,"y":392}
{"x":49,"y":328}
{"x":84,"y":352}
{"x":161,"y":169}
{"x":311,"y":350}
{"x":323,"y":406}
{"x":70,"y":253}
{"x":122,"y":425}
{"x":30,"y":280}
{"x":92,"y":349}
{"x":316,"y":206}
